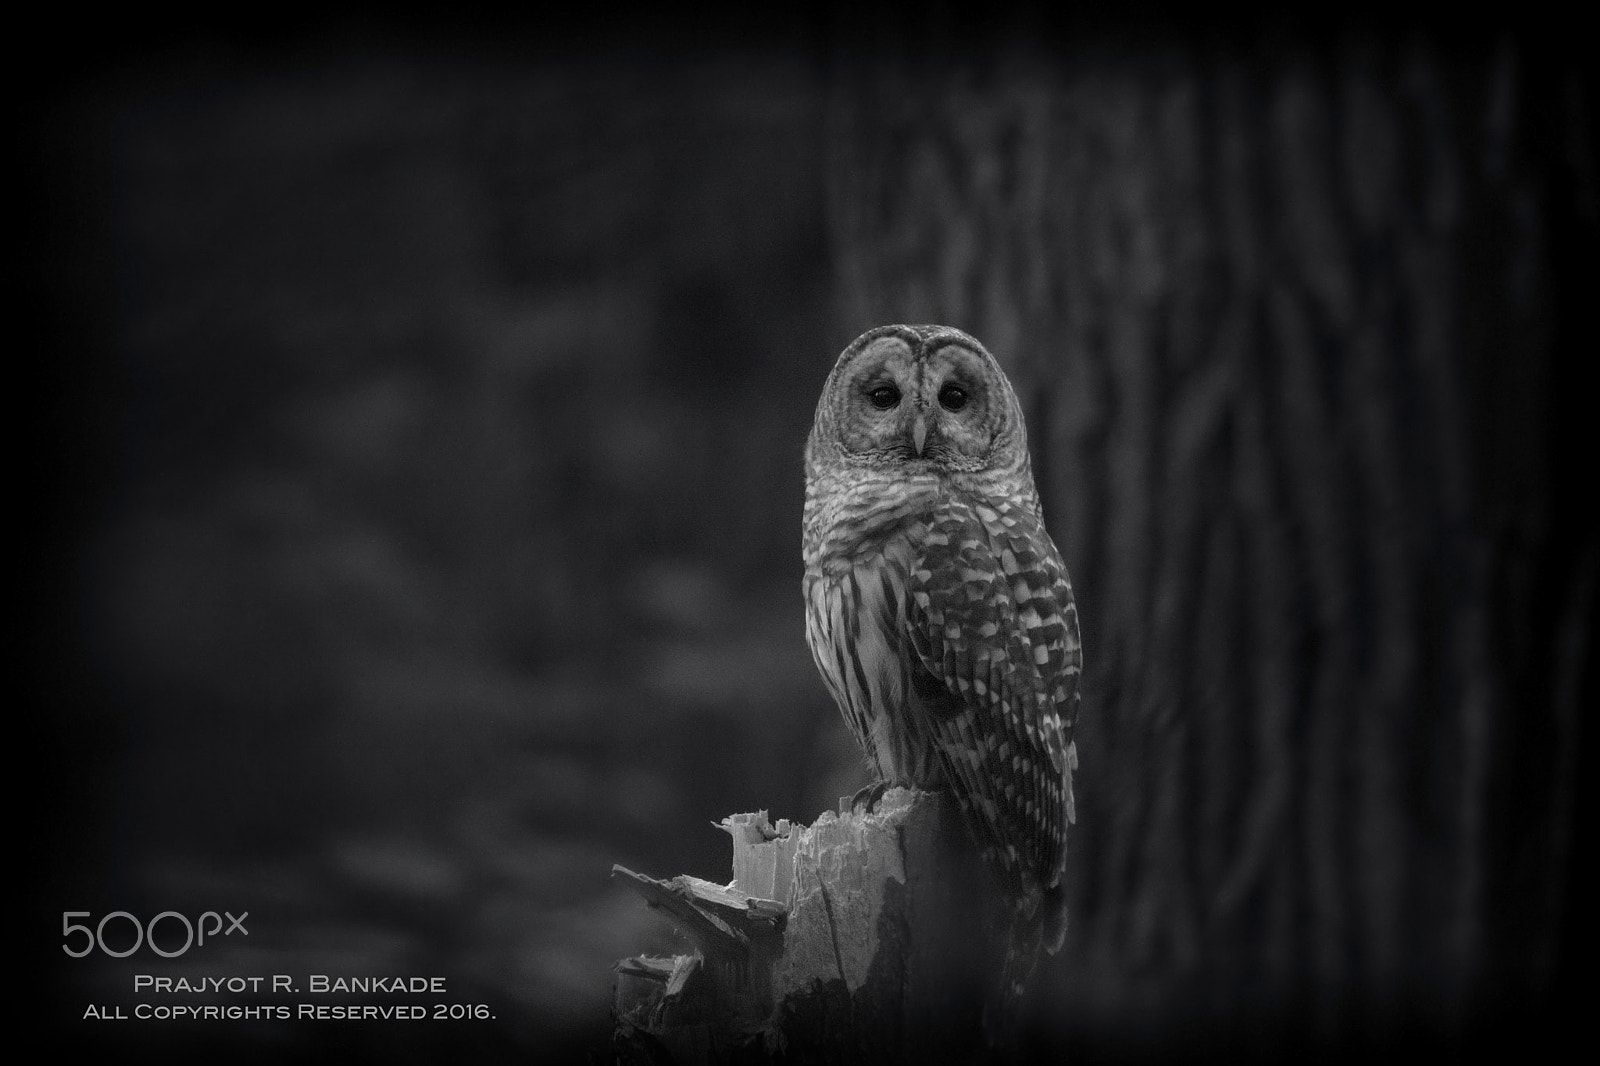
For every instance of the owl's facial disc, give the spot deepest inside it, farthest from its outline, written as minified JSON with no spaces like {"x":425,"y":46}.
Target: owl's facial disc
{"x":931,"y":410}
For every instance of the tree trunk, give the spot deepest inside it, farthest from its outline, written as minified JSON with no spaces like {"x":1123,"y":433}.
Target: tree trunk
{"x":1294,"y":324}
{"x":865,"y":937}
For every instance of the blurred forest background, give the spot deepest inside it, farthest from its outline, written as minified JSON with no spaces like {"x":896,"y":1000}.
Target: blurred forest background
{"x":416,"y":464}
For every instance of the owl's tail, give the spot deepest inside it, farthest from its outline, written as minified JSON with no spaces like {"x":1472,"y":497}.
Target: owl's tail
{"x":1043,"y":925}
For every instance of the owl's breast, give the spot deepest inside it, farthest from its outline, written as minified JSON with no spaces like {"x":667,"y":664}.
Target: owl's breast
{"x":851,"y":522}
{"x":857,"y":630}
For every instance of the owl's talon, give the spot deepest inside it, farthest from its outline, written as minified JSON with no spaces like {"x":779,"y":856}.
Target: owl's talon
{"x":867,"y":798}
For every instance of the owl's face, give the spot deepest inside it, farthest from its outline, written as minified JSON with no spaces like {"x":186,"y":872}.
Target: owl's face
{"x":927,"y":398}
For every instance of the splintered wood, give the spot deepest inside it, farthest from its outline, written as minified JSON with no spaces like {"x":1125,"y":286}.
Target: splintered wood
{"x":858,"y":936}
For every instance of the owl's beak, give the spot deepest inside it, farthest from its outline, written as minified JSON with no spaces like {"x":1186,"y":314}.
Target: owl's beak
{"x":919,"y":433}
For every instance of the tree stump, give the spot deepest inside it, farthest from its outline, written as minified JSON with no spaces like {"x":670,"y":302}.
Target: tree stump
{"x":866,"y":937}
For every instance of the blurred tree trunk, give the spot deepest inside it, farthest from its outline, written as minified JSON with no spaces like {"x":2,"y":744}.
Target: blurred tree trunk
{"x":1294,"y":324}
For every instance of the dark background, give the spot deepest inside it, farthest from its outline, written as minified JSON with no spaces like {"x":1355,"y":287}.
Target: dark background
{"x":412,"y":432}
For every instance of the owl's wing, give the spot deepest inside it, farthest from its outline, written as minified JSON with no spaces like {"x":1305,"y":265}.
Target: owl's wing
{"x":991,"y":618}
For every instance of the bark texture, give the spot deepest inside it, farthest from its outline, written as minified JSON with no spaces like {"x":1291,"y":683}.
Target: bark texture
{"x":1296,"y":321}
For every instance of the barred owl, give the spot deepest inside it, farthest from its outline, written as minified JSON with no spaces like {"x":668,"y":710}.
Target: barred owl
{"x":938,"y":609}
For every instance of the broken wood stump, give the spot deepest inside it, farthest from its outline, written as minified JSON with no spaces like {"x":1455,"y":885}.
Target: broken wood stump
{"x":865,"y":937}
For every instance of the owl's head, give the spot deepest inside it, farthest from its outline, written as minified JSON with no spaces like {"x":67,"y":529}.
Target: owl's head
{"x":930,"y":399}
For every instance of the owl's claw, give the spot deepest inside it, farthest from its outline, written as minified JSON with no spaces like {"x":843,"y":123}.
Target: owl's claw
{"x":867,"y":798}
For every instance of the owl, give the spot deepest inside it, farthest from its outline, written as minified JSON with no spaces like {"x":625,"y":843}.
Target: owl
{"x":938,"y":609}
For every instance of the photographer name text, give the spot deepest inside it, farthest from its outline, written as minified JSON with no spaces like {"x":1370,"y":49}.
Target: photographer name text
{"x":315,"y":984}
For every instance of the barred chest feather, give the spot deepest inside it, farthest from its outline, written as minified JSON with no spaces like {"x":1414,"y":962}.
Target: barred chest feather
{"x":856,"y":626}
{"x":863,"y":544}
{"x":942,"y":622}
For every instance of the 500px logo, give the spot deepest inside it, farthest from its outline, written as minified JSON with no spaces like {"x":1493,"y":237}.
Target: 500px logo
{"x":142,"y":932}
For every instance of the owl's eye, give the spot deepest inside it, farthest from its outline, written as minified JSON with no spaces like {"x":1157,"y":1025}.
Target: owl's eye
{"x":884,"y":397}
{"x":952,"y":397}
